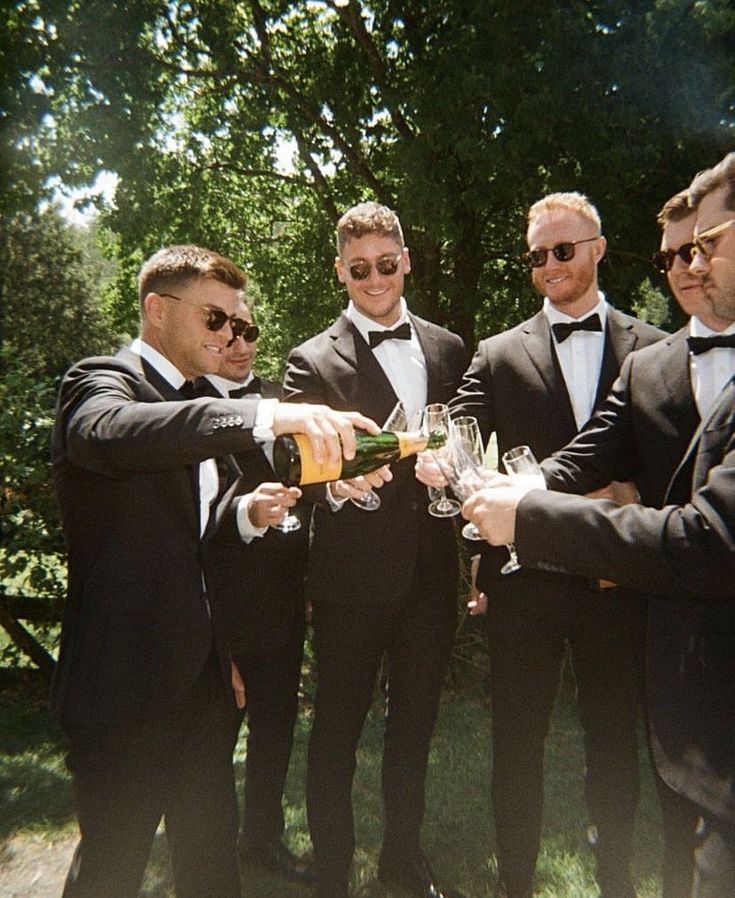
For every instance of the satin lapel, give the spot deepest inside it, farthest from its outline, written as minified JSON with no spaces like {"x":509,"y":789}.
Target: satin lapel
{"x":676,"y":378}
{"x":374,"y":394}
{"x":229,"y":473}
{"x":537,"y":341}
{"x":619,"y":341}
{"x":686,"y":478}
{"x":432,"y":356}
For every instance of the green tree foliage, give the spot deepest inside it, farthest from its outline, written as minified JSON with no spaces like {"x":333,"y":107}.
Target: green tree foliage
{"x":458,"y":114}
{"x":51,"y":316}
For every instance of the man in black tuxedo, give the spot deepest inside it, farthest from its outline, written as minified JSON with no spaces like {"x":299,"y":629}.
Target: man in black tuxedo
{"x":536,"y":385}
{"x":381,"y":582}
{"x":262,"y":586}
{"x":684,"y":551}
{"x":143,"y":681}
{"x":641,"y":433}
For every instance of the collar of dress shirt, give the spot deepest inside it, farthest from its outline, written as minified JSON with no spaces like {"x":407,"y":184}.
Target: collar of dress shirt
{"x":365,"y":324}
{"x":166,"y":369}
{"x":557,"y":317}
{"x":223,"y":385}
{"x":698,"y":328}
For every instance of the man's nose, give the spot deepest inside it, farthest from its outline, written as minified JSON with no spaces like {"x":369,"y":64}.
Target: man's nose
{"x":699,"y":264}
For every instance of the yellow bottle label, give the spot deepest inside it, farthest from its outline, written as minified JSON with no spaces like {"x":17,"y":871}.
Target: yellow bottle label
{"x":312,"y":471}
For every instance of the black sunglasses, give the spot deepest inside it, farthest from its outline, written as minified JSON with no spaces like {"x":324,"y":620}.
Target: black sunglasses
{"x":563,"y":252}
{"x":218,"y":318}
{"x":388,"y":265}
{"x":663,"y":260}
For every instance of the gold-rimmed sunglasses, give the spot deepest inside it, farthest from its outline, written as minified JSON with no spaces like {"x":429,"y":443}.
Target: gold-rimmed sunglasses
{"x":706,"y":242}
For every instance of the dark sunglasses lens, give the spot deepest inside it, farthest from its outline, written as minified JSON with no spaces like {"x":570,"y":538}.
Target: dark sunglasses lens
{"x":216,"y":319}
{"x":685,"y":253}
{"x":563,"y":252}
{"x":387,"y":266}
{"x":251,"y":333}
{"x":360,"y":271}
{"x":663,"y":260}
{"x":537,"y":257}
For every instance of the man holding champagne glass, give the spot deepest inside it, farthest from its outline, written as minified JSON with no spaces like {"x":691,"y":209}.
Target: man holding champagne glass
{"x":382,"y":583}
{"x":536,"y":385}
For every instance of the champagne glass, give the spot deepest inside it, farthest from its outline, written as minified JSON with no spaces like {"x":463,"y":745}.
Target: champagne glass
{"x":521,"y":467}
{"x":436,"y":419}
{"x":465,"y":433}
{"x":464,"y":476}
{"x":288,"y":524}
{"x":396,"y":420}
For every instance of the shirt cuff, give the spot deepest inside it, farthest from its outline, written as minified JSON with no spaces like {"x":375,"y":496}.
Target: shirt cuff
{"x":263,"y":427}
{"x":247,"y":530}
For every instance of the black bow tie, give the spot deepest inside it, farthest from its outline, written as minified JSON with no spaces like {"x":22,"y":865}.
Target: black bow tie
{"x":248,"y":390}
{"x":402,"y":332}
{"x":698,"y":345}
{"x":187,"y":389}
{"x":563,"y":330}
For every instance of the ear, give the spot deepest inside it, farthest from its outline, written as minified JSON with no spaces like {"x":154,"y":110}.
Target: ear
{"x":154,"y":309}
{"x":406,"y":261}
{"x":339,"y":267}
{"x":600,"y":248}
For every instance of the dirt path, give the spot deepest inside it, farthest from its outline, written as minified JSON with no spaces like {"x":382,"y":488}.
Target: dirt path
{"x":33,"y":867}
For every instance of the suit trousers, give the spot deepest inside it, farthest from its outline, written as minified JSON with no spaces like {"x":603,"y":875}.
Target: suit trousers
{"x":179,"y":768}
{"x":272,"y":683}
{"x":531,"y":619}
{"x":415,"y":634}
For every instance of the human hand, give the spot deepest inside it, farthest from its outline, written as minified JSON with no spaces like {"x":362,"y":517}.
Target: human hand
{"x":477,"y":601}
{"x":269,"y":503}
{"x":238,"y":686}
{"x":621,"y":492}
{"x":356,"y":487}
{"x":493,"y":511}
{"x":428,"y":472}
{"x":331,"y":433}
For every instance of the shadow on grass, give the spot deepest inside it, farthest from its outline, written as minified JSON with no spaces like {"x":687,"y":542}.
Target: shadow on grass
{"x":34,"y":783}
{"x":457,"y":836}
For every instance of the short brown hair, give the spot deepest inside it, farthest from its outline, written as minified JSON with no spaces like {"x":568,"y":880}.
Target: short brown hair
{"x":675,"y":209}
{"x":174,"y":267}
{"x":571,"y":201}
{"x":368,"y":218}
{"x":721,"y":175}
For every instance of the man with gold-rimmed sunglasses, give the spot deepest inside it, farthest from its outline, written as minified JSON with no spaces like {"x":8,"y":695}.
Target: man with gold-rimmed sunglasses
{"x":683,"y":552}
{"x":143,"y":684}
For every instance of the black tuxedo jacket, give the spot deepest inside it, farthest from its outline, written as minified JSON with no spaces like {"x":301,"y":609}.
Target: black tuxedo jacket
{"x":640,"y":432}
{"x":261,"y":583}
{"x":137,"y":630}
{"x":516,"y":388}
{"x":684,"y":552}
{"x":370,"y":557}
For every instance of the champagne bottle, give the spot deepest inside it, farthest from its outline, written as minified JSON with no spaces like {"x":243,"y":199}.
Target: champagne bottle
{"x":294,"y":463}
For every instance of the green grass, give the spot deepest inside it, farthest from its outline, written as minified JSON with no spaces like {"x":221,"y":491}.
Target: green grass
{"x":458,"y":836}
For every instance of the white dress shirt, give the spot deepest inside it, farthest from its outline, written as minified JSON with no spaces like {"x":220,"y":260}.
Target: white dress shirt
{"x":710,"y":370}
{"x":402,"y":360}
{"x":580,"y":358}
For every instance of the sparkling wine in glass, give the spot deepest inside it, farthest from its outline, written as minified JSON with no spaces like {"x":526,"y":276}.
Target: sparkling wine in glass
{"x":396,"y":420}
{"x":521,"y":467}
{"x":436,"y":419}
